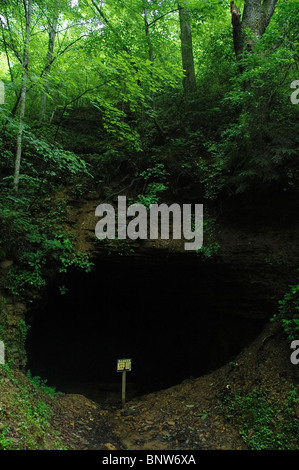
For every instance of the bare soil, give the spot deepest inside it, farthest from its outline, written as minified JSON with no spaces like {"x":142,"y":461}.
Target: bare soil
{"x":188,"y":416}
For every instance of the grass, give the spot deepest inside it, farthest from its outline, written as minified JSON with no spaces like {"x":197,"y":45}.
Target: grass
{"x":264,"y":421}
{"x":25,"y":413}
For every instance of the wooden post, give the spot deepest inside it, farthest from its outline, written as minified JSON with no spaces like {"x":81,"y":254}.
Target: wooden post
{"x":124,"y":366}
{"x":123,"y":389}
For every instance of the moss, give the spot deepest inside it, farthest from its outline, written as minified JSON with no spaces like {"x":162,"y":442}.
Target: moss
{"x":264,"y":421}
{"x":25,"y":414}
{"x":13,"y":332}
{"x":3,"y":321}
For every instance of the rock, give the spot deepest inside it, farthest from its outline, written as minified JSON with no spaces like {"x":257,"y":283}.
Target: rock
{"x":6,"y":263}
{"x":110,"y":446}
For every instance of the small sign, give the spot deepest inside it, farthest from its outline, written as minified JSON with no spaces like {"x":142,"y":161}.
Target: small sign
{"x":124,"y":365}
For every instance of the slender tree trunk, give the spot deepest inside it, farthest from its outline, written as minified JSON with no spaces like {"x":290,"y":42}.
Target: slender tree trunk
{"x":189,"y":81}
{"x":149,"y":43}
{"x":6,"y":53}
{"x":28,"y":11}
{"x":147,"y":34}
{"x":52,"y":36}
{"x":151,"y":58}
{"x":249,"y":30}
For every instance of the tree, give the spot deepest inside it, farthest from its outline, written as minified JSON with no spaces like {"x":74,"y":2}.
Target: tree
{"x":189,"y":81}
{"x":250,"y":29}
{"x":52,"y":36}
{"x":28,"y":12}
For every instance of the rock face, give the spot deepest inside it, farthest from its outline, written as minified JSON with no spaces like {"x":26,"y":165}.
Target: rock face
{"x":258,"y":249}
{"x":13,"y":330}
{"x":256,"y":262}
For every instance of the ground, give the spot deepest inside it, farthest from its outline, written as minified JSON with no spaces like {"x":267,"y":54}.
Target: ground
{"x":187,"y":416}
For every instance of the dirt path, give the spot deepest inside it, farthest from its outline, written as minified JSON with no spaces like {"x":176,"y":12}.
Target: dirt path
{"x":82,"y":426}
{"x":188,"y":416}
{"x":182,"y":417}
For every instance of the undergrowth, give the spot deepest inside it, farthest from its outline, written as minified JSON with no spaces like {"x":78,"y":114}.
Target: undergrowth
{"x":264,"y":422}
{"x":26,"y":413}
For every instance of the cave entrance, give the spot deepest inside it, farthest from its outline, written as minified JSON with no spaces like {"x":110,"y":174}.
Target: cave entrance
{"x":174,"y":317}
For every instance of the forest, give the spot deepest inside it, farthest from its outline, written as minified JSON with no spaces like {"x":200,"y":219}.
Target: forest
{"x":188,"y":101}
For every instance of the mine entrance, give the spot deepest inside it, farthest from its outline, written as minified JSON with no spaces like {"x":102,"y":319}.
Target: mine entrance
{"x":174,"y":317}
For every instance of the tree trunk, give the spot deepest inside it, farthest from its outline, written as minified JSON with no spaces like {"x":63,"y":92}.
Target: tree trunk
{"x":151,"y":58}
{"x":52,"y":36}
{"x":189,"y":81}
{"x":149,"y":42}
{"x":6,"y":53}
{"x":249,"y":30}
{"x":147,"y":34}
{"x":28,"y":11}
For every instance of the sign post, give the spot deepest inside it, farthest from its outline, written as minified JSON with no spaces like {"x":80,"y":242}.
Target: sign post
{"x":124,"y":366}
{"x":123,"y":389}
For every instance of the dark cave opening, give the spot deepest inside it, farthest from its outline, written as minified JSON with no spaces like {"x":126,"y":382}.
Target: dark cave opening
{"x":174,"y":318}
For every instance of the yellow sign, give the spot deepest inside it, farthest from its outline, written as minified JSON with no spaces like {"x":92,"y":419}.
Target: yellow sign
{"x":124,"y":365}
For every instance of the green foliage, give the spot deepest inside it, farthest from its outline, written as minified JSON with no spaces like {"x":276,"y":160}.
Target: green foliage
{"x":114,"y":95}
{"x":155,"y":183}
{"x":261,"y":139}
{"x":22,"y":331}
{"x":210,"y":245}
{"x":264,"y":422}
{"x":5,"y":440}
{"x":119,"y":246}
{"x":26,"y":412}
{"x":158,"y":171}
{"x":12,"y":341}
{"x":3,"y":321}
{"x":41,"y":384}
{"x":288,"y":314}
{"x":52,"y":161}
{"x":240,"y":131}
{"x":31,"y":232}
{"x":35,"y":240}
